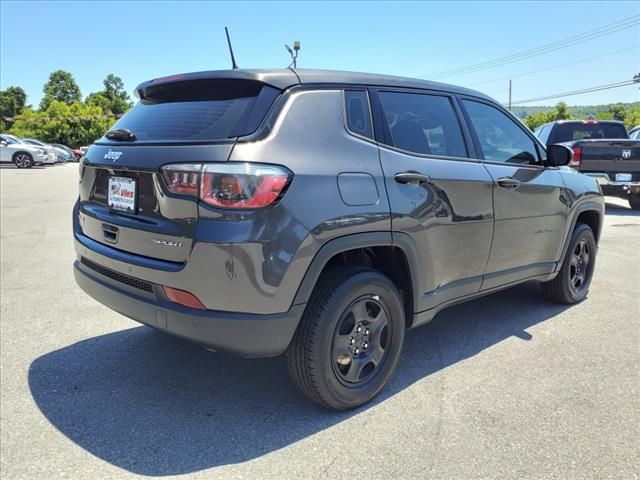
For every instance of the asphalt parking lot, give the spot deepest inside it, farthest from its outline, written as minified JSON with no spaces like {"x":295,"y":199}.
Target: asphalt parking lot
{"x":508,"y":386}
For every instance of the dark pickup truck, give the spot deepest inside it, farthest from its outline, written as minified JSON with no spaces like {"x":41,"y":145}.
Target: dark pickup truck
{"x":601,"y":149}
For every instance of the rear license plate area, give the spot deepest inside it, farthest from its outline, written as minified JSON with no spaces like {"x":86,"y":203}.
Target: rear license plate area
{"x":623,"y":177}
{"x":122,"y":194}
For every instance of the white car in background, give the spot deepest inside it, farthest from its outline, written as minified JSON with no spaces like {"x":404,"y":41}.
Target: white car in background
{"x":13,"y":150}
{"x":51,"y":152}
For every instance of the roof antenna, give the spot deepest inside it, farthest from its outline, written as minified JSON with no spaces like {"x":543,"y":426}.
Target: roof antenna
{"x":234,"y":65}
{"x":293,"y":53}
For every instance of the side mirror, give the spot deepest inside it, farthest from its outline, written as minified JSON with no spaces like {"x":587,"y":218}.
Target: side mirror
{"x":558,"y":155}
{"x":3,"y":143}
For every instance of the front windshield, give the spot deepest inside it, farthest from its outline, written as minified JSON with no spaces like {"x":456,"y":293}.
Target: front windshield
{"x":13,"y":139}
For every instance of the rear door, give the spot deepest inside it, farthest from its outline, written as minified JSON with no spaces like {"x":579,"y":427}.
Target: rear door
{"x":530,"y":201}
{"x":439,"y":195}
{"x":140,"y":194}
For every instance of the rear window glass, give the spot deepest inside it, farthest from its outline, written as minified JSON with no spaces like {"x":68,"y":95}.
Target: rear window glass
{"x":566,"y":132}
{"x":184,"y":120}
{"x":198,"y":110}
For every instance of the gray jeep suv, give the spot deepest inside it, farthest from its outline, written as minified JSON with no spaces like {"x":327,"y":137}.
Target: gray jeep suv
{"x":322,"y":214}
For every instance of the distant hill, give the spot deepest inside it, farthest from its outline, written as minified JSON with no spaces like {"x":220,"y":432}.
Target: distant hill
{"x":578,"y":111}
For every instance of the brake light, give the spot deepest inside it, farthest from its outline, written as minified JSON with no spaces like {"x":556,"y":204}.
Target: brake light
{"x":170,"y":78}
{"x":229,"y":185}
{"x":183,"y":298}
{"x":577,"y":157}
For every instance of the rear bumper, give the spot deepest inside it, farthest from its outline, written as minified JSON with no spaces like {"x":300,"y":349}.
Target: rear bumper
{"x":249,"y":335}
{"x":610,"y":186}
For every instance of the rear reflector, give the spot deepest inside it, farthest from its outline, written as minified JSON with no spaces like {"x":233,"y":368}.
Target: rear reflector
{"x":183,"y":298}
{"x":577,"y":157}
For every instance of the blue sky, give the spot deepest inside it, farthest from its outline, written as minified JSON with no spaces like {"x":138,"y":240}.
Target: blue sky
{"x":143,"y":40}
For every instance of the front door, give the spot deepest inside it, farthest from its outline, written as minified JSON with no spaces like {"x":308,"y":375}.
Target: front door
{"x":530,"y":201}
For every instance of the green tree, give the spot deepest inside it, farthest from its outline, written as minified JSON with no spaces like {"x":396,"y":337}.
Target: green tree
{"x":562,"y":112}
{"x":61,"y":87}
{"x":617,"y":111}
{"x":99,"y":99}
{"x":559,"y":112}
{"x":12,"y":102}
{"x":113,"y":98}
{"x":75,"y":125}
{"x":534,"y":120}
{"x":632,"y":117}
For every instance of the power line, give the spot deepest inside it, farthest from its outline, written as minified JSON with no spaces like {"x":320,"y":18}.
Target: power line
{"x":555,"y":66}
{"x":550,"y":47}
{"x":571,"y":41}
{"x":577,"y":92}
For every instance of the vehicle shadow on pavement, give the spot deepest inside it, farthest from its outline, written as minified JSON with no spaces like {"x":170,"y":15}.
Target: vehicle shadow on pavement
{"x":10,"y":166}
{"x":155,"y":405}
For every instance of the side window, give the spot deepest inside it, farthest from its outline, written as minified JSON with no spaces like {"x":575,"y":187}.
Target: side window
{"x":358,"y":112}
{"x":501,"y":139}
{"x":543,"y":133}
{"x":424,"y":124}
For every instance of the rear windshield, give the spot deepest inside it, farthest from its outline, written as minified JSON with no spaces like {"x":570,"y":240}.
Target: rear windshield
{"x":566,"y":132}
{"x":198,"y":110}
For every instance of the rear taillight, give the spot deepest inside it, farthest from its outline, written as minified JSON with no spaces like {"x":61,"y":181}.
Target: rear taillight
{"x":228,"y":185}
{"x":577,"y":157}
{"x":242,"y":185}
{"x":183,"y":179}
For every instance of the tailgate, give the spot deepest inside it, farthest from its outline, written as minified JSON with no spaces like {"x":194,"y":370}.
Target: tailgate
{"x":162,"y":225}
{"x":124,"y":200}
{"x":611,"y":156}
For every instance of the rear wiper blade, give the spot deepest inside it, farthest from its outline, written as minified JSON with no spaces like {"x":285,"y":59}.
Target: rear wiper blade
{"x":122,"y":134}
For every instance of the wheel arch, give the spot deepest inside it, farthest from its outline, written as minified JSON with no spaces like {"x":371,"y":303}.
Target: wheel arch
{"x":588,"y":212}
{"x":393,"y":255}
{"x":15,"y":154}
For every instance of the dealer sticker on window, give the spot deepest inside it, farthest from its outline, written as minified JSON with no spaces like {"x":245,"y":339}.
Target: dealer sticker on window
{"x":122,"y":194}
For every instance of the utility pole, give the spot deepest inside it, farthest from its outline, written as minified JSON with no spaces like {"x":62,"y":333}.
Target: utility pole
{"x":509,"y":95}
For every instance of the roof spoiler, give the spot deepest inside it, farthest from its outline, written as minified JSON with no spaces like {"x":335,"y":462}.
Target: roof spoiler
{"x":280,"y":80}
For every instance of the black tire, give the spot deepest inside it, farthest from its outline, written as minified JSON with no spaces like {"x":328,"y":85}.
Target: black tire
{"x":23,"y":160}
{"x":634,"y":201}
{"x":325,"y":330}
{"x":572,"y":282}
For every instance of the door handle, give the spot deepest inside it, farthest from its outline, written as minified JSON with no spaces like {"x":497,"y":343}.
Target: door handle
{"x":509,"y":183}
{"x":412,"y":178}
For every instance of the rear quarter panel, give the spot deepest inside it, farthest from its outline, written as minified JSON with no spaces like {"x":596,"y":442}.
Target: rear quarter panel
{"x":308,"y":138}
